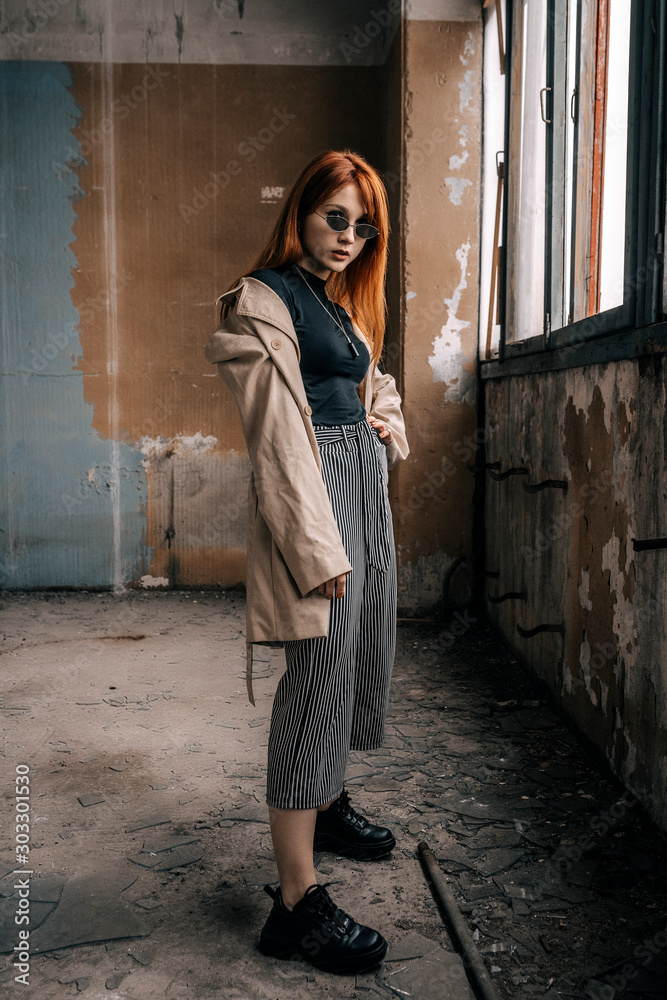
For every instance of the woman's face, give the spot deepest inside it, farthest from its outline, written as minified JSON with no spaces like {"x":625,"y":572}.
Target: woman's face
{"x":325,"y":250}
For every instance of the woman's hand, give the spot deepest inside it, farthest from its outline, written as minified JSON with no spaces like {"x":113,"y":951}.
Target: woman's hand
{"x":335,"y":586}
{"x":385,"y":434}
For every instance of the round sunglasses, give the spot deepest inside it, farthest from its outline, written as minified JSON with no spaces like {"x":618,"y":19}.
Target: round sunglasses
{"x":339,"y":225}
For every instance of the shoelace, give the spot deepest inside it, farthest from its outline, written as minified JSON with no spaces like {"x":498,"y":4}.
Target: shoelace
{"x":327,"y":909}
{"x":347,"y":812}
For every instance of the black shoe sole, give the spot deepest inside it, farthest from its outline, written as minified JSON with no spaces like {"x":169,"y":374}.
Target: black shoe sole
{"x":324,"y":843}
{"x":343,"y":966}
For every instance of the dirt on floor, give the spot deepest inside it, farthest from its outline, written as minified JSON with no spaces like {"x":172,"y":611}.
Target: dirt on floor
{"x":149,"y":845}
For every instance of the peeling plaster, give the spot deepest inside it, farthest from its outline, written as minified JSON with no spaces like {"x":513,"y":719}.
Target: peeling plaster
{"x":465,"y":90}
{"x":585,"y":663}
{"x":585,"y":600}
{"x":457,"y":186}
{"x":631,"y":750}
{"x":619,"y":570}
{"x":568,"y":679}
{"x":159,"y":446}
{"x":468,"y":49}
{"x":153,"y":581}
{"x":448,"y":357}
{"x":456,"y":162}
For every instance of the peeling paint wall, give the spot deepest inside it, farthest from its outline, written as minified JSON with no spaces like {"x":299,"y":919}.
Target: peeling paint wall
{"x":73,"y":500}
{"x":151,"y":154}
{"x":569,"y":553}
{"x":433,"y":490}
{"x":181,"y":193}
{"x":134,"y":196}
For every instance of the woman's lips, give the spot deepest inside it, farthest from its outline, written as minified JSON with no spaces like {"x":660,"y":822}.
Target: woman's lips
{"x":340,"y":254}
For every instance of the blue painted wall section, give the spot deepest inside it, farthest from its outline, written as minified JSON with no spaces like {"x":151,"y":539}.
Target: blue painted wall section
{"x":72,"y":506}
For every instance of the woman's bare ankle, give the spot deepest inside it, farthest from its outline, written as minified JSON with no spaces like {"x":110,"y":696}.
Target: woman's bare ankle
{"x":327,"y":804}
{"x":291,"y":894}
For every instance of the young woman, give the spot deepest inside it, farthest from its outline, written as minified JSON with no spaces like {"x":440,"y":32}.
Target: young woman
{"x":298,"y":346}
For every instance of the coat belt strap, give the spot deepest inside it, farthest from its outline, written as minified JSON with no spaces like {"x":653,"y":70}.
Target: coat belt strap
{"x":248,"y":673}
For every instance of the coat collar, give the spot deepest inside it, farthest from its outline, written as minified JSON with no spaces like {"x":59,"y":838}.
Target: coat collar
{"x":254,"y":298}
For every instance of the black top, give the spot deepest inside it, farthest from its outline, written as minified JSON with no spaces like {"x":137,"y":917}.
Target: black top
{"x":330,"y":372}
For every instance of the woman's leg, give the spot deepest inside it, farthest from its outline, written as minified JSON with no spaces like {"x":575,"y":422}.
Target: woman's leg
{"x":292,"y":832}
{"x":307,"y":754}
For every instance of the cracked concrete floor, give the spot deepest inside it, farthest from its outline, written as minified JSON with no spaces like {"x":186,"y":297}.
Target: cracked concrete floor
{"x":149,"y":841}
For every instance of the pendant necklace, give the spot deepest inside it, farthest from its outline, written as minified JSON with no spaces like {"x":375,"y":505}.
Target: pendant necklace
{"x":353,"y":350}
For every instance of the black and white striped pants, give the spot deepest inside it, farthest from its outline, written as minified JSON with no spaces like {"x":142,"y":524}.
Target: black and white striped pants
{"x":333,"y":695}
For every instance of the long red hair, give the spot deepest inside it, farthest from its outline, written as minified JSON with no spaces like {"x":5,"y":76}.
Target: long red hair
{"x":360,"y":287}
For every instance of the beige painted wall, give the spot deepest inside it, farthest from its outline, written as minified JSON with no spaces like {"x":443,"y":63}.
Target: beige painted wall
{"x":184,"y":176}
{"x":433,"y":490}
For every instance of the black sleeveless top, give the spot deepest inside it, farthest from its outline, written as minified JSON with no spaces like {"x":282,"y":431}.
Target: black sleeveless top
{"x":330,"y":372}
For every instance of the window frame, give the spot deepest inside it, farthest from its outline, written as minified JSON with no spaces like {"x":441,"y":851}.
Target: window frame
{"x":644,"y":297}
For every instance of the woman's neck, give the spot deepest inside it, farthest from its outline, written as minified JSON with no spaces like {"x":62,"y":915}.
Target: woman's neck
{"x":308,"y":264}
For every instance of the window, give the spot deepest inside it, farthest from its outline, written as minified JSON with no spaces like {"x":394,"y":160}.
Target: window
{"x":584,"y":200}
{"x":591,"y":149}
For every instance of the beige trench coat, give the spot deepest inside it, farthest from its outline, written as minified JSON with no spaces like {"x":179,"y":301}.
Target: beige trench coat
{"x":293,"y":541}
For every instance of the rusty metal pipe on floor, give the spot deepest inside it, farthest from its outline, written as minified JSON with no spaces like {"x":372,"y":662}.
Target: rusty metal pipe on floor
{"x":472,"y":958}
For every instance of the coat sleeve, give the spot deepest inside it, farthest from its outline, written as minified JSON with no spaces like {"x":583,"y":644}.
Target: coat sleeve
{"x":381,"y":400}
{"x":291,"y":494}
{"x":386,"y":406}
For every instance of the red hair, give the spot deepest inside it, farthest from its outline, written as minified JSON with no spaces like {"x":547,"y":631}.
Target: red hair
{"x":360,"y":287}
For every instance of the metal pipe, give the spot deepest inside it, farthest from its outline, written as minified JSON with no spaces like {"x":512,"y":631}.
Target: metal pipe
{"x":473,"y":960}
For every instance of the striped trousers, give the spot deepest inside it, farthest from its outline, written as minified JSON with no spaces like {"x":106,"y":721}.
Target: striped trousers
{"x":333,"y":695}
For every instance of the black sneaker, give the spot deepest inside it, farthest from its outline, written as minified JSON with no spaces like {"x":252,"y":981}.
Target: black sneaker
{"x":321,"y":933}
{"x":341,"y":830}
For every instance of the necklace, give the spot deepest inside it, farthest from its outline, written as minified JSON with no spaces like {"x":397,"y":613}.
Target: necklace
{"x":353,"y":350}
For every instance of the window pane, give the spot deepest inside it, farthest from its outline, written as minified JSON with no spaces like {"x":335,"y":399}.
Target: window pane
{"x":528,"y":319}
{"x":571,"y":91}
{"x":616,"y":140}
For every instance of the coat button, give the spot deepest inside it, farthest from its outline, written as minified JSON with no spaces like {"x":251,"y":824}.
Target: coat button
{"x":276,"y":344}
{"x":308,"y":410}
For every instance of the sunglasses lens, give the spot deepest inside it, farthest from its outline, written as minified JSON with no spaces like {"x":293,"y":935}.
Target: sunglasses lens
{"x":338,"y":224}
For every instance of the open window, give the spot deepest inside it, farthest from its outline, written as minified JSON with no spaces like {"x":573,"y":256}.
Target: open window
{"x":584,"y":168}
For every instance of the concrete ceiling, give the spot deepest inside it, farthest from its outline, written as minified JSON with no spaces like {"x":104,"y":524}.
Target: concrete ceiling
{"x":291,"y":32}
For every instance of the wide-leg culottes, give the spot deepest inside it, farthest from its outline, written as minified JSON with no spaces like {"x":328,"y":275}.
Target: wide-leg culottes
{"x":333,"y":695}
